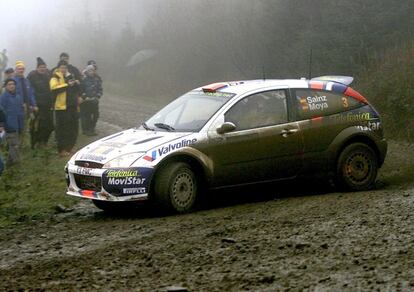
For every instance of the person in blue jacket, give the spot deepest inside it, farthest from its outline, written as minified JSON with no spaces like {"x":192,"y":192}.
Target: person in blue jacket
{"x":2,"y":135}
{"x":91,"y":93}
{"x":12,"y":104}
{"x":24,"y":88}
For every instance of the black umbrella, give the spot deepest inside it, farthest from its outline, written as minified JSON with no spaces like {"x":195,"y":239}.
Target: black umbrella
{"x":34,"y":129}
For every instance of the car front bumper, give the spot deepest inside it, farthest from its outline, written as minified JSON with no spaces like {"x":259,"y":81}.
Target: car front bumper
{"x":126,"y":184}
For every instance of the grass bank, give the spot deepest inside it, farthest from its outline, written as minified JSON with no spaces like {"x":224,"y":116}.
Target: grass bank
{"x":33,"y":189}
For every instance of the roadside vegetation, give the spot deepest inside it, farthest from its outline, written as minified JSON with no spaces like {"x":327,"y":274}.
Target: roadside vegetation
{"x":35,"y":189}
{"x":389,"y":84}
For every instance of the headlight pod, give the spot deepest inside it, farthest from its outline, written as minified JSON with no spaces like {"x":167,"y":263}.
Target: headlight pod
{"x":123,"y":160}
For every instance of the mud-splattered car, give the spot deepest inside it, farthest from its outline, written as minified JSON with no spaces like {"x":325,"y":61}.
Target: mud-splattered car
{"x":235,"y":133}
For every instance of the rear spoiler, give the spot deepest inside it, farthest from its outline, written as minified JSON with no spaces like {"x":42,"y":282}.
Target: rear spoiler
{"x":341,"y":85}
{"x":346,"y":80}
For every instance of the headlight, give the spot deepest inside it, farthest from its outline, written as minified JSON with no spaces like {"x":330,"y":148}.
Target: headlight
{"x":124,"y":160}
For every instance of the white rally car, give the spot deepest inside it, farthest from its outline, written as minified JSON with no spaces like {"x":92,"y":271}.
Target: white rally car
{"x":234,"y":133}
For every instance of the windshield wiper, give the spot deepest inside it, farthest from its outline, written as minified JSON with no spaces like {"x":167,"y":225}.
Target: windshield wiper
{"x":145,"y":126}
{"x":164,"y":126}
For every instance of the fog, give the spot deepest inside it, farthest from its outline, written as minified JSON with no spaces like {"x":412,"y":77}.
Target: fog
{"x":43,"y":27}
{"x":169,"y":46}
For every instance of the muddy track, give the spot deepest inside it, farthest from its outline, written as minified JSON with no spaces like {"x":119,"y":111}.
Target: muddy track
{"x":276,"y":237}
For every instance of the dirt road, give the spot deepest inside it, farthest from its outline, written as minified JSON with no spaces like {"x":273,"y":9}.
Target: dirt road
{"x":288,"y":238}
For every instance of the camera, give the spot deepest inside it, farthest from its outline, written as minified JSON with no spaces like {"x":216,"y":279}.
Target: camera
{"x":69,"y":78}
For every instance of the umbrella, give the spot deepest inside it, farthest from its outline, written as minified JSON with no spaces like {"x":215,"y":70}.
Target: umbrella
{"x":141,"y":56}
{"x":34,"y":129}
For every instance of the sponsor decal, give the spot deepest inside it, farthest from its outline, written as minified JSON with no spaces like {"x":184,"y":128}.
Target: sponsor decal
{"x":113,"y":144}
{"x":127,"y":181}
{"x":102,"y":150}
{"x":112,"y":181}
{"x":354,"y":117}
{"x":371,"y":126}
{"x":122,"y":173}
{"x":317,"y":102}
{"x":93,"y":157}
{"x":313,"y":103}
{"x":304,"y":104}
{"x":152,"y":157}
{"x":83,"y":171}
{"x":134,"y":191}
{"x":167,"y":149}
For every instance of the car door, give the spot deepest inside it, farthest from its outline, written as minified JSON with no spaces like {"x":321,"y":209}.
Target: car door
{"x":264,"y":146}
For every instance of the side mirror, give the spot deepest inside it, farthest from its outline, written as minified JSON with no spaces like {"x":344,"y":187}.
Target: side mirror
{"x":226,"y":127}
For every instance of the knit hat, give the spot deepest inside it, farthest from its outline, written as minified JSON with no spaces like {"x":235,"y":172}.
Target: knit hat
{"x":9,"y":71}
{"x":40,"y":62}
{"x":20,"y":64}
{"x":62,"y":62}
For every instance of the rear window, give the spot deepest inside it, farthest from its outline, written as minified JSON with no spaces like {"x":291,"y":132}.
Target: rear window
{"x":315,"y":103}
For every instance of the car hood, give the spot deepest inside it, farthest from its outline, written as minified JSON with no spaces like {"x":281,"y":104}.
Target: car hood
{"x":128,"y":141}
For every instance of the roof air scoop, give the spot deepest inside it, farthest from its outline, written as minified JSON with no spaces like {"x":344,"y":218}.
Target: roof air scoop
{"x":214,"y":87}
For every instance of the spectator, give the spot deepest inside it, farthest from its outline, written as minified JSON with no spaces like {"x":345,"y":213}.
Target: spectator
{"x":3,"y":63}
{"x":40,"y":79}
{"x":89,"y":108}
{"x":2,"y":135}
{"x":13,"y":106}
{"x":65,"y":87}
{"x":9,"y":73}
{"x":93,"y":63}
{"x":72,"y":69}
{"x":24,"y":88}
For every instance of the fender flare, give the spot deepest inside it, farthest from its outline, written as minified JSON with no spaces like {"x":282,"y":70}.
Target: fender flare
{"x":190,"y":155}
{"x":353,"y":134}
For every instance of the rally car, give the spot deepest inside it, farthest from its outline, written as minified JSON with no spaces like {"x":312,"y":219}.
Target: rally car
{"x":231,"y":134}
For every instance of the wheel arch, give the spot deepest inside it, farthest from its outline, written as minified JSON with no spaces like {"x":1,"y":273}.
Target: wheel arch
{"x":200,"y":166}
{"x":340,"y":143}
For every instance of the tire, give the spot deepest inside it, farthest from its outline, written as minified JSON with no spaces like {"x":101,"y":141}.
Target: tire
{"x":176,"y":188}
{"x":357,"y":167}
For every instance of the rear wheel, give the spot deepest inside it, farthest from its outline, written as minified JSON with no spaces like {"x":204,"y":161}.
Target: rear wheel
{"x":357,"y":167}
{"x":176,"y":187}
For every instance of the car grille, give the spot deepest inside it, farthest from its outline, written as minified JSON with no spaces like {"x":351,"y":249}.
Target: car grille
{"x":90,"y":183}
{"x":88,"y":164}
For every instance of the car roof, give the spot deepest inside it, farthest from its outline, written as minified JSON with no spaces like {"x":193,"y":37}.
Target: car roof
{"x":240,"y":87}
{"x":338,"y":84}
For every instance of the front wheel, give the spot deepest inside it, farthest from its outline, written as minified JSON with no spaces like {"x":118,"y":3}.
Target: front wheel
{"x":176,"y":187}
{"x":357,"y":167}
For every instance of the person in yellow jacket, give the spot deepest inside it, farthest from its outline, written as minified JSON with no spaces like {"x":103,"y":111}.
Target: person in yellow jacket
{"x":65,"y":89}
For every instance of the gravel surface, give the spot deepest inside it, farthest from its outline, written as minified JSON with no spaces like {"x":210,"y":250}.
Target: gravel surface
{"x":269,"y":238}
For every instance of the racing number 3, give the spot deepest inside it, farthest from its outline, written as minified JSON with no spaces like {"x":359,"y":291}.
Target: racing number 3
{"x":345,"y":102}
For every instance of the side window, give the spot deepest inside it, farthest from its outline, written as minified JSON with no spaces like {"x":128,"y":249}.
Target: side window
{"x":259,"y":110}
{"x":315,"y":103}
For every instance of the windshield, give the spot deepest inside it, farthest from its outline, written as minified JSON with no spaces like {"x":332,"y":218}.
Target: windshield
{"x":188,"y":113}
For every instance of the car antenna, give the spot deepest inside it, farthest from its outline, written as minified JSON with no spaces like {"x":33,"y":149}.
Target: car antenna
{"x":310,"y":63}
{"x":263,"y":72}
